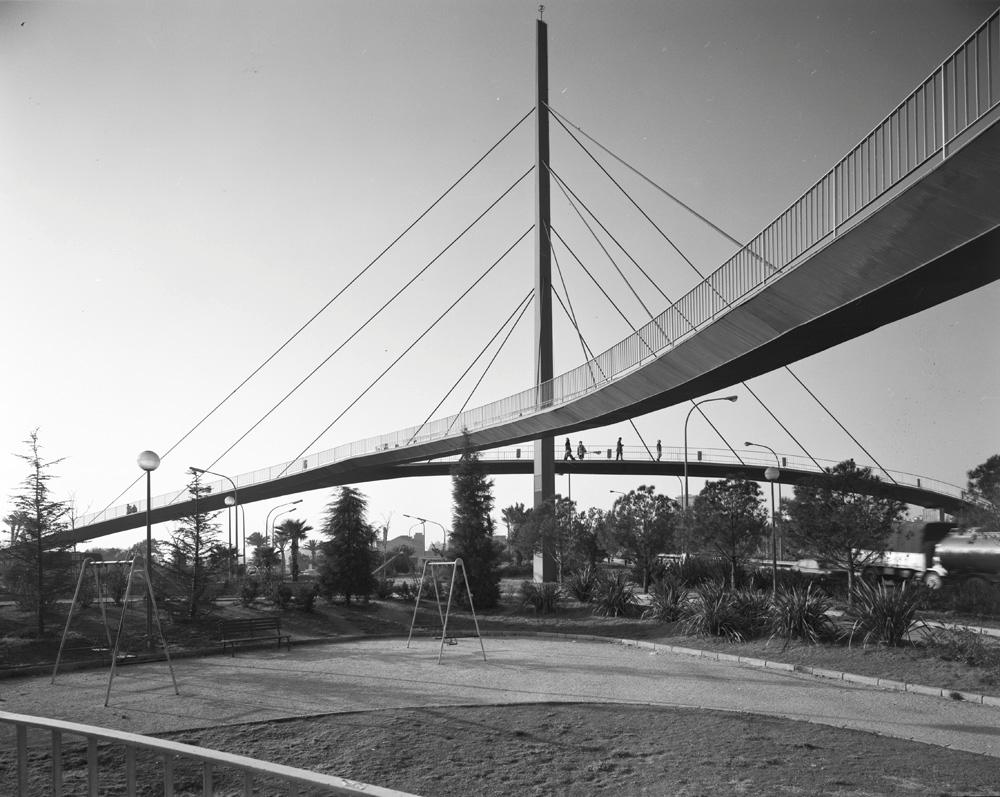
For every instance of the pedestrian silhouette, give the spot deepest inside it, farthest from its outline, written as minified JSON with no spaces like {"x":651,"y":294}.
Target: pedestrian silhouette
{"x":659,"y":450}
{"x":618,"y":450}
{"x":569,"y":451}
{"x":581,"y":452}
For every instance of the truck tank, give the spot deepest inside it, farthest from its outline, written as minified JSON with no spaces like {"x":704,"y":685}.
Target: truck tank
{"x":967,"y":551}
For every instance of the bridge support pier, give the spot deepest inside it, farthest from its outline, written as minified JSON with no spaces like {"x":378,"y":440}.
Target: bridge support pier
{"x":544,"y":471}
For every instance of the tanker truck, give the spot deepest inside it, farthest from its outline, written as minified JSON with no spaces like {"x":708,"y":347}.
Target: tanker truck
{"x":936,"y":552}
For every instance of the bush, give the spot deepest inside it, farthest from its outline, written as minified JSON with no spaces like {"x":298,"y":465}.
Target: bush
{"x":305,"y":597}
{"x":384,"y":588}
{"x":406,"y":590}
{"x":282,"y":595}
{"x":736,"y":614}
{"x":543,"y":598}
{"x":249,"y":590}
{"x":667,"y":599}
{"x":615,"y":596}
{"x":760,"y":578}
{"x":798,"y":613}
{"x":884,"y":614}
{"x":696,"y":570}
{"x":582,"y":584}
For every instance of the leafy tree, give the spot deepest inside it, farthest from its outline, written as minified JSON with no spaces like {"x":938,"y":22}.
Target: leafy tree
{"x":728,"y":517}
{"x":350,"y":553}
{"x":592,"y":531}
{"x":642,"y":524}
{"x":984,"y":488}
{"x":294,"y":530}
{"x":574,"y":535}
{"x":196,"y":556}
{"x":832,"y":517}
{"x":38,"y":575}
{"x":513,"y":518}
{"x":472,"y":527}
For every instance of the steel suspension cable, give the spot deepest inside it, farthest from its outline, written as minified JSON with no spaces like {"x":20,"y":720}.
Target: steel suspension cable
{"x":372,"y":317}
{"x":489,"y":365}
{"x":726,"y":302}
{"x":636,"y":332}
{"x":588,"y":355}
{"x":336,"y":296}
{"x":408,"y":349}
{"x":475,"y":359}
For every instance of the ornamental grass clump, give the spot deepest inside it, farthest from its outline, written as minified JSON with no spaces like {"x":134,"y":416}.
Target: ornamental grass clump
{"x":583,"y":583}
{"x":798,"y":613}
{"x":543,"y":598}
{"x":718,"y":611}
{"x":884,"y":615}
{"x":667,"y":599}
{"x":615,"y":597}
{"x":695,"y":570}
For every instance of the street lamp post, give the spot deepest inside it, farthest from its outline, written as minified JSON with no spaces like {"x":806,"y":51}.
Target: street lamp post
{"x":267,"y":521}
{"x":236,"y":497}
{"x":686,"y":419}
{"x":149,"y":461}
{"x":771,"y":474}
{"x":273,"y":523}
{"x":444,"y":531}
{"x":230,"y":503}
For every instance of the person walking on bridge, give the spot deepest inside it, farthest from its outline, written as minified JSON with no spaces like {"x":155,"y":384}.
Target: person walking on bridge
{"x":618,"y":450}
{"x":581,"y":452}
{"x":569,"y":451}
{"x":659,"y":450}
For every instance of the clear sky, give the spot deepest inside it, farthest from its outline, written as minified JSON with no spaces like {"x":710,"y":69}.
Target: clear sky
{"x":183,"y":184}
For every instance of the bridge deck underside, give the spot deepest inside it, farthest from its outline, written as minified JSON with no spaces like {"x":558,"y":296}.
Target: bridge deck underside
{"x":939,"y":238}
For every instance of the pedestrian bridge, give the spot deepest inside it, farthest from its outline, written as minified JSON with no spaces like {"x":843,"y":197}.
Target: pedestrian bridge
{"x":908,"y":219}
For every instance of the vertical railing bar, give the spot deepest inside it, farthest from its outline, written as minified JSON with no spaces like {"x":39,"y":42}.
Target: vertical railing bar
{"x":92,"y":775}
{"x":130,"y":781}
{"x":168,"y":775}
{"x":57,"y":772}
{"x":22,"y":758}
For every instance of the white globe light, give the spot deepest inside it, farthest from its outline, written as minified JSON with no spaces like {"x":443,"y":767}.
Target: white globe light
{"x":230,"y":501}
{"x":771,"y":474}
{"x":148,"y":460}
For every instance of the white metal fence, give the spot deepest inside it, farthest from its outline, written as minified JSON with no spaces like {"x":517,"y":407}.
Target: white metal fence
{"x":265,"y":777}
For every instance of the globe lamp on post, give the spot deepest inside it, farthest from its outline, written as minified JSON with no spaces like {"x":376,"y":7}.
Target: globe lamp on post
{"x":230,"y":503}
{"x":149,"y":461}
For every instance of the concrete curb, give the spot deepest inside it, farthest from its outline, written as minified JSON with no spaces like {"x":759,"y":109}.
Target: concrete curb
{"x":818,"y":672}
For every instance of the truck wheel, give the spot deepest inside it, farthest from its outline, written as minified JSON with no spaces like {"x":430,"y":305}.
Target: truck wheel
{"x":932,"y":580}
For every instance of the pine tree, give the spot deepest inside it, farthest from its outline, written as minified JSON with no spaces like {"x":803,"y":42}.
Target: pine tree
{"x":196,"y":555}
{"x":472,"y":527}
{"x":38,"y":574}
{"x":350,"y":552}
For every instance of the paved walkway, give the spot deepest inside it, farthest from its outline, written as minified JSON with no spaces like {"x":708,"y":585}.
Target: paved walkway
{"x":382,"y":673}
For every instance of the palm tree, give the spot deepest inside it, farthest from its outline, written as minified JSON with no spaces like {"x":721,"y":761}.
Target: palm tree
{"x":293,"y":531}
{"x":312,"y":546}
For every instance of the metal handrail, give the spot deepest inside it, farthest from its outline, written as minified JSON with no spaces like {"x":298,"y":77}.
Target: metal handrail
{"x":291,"y":777}
{"x":939,"y":116}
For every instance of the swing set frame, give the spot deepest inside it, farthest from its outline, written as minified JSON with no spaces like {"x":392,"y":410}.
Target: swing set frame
{"x":141,"y":570}
{"x":447,"y":611}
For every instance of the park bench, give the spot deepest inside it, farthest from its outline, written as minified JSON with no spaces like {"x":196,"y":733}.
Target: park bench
{"x":252,"y":629}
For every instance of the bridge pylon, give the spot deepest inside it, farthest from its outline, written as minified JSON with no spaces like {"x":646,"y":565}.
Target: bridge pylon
{"x":544,"y":469}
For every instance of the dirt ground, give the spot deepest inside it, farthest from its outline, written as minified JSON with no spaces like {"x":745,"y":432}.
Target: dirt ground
{"x":567,"y":749}
{"x":549,"y":749}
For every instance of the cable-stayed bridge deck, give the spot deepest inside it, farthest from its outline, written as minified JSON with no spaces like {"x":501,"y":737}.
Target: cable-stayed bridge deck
{"x":910,"y":218}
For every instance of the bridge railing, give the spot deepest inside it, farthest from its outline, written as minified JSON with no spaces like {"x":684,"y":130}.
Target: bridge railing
{"x":941,"y":114}
{"x":289,"y":780}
